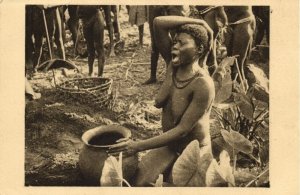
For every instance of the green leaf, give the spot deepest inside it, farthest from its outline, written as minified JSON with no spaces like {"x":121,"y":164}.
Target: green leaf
{"x":191,"y":166}
{"x":245,"y":104}
{"x":238,"y":87}
{"x":241,"y":143}
{"x":260,"y":93}
{"x":227,"y":137}
{"x":264,"y":152}
{"x":219,"y":144}
{"x":237,"y":141}
{"x":229,"y":114}
{"x":262,"y":132}
{"x":213,"y":176}
{"x":111,"y":173}
{"x":220,"y":174}
{"x":223,"y":92}
{"x":223,"y":82}
{"x":226,"y":169}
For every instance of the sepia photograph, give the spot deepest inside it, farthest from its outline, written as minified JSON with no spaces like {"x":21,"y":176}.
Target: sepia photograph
{"x":147,"y":95}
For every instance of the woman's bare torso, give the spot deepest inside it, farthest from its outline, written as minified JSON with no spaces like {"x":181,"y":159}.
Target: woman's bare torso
{"x":175,"y":107}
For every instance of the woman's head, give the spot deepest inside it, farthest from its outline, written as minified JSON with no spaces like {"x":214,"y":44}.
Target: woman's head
{"x":198,"y":32}
{"x":191,"y":42}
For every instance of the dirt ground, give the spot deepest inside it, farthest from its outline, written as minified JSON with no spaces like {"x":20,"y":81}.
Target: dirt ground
{"x":54,"y":125}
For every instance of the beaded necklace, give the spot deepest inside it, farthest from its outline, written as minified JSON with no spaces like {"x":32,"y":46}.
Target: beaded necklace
{"x":180,"y":84}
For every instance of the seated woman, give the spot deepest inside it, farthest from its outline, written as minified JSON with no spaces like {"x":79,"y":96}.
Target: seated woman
{"x":186,"y":97}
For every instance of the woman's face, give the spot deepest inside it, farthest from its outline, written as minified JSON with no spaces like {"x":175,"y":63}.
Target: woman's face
{"x":184,"y":50}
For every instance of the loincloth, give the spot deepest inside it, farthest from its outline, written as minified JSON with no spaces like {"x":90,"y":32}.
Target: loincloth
{"x":200,"y":13}
{"x":243,"y":20}
{"x":206,"y":10}
{"x":138,"y":15}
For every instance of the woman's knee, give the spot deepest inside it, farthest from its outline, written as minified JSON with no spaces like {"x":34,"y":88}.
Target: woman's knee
{"x":148,"y":171}
{"x":143,"y":181}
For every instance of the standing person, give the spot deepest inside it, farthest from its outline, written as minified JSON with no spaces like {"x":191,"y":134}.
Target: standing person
{"x":115,"y":10}
{"x":155,"y":11}
{"x":35,"y":26}
{"x":29,"y":44}
{"x":93,"y":30}
{"x":186,"y":97}
{"x":262,"y":14}
{"x":138,"y":16}
{"x":211,"y":15}
{"x":239,"y":36}
{"x":73,"y":22}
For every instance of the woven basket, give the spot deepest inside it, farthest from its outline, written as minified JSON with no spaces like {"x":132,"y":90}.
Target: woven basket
{"x":95,"y":91}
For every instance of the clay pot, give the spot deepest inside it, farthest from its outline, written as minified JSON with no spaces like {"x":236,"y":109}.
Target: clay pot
{"x":93,"y":154}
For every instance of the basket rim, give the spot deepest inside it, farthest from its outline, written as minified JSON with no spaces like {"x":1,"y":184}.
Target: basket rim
{"x":87,"y":78}
{"x":61,"y":85}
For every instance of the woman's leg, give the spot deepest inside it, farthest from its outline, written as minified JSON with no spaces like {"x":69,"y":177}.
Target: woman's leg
{"x":156,"y":162}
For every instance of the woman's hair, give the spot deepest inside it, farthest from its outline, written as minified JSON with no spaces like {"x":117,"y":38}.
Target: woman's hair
{"x":198,"y":32}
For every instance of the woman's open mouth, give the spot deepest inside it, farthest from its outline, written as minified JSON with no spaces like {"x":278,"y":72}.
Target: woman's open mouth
{"x":175,"y":57}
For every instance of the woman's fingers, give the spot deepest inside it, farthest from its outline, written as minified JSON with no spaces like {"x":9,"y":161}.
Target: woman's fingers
{"x":112,"y":150}
{"x":116,"y":154}
{"x":122,"y":139}
{"x":117,"y":147}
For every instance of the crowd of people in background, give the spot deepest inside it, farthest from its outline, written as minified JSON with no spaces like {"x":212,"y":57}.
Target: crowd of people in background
{"x":234,"y":25}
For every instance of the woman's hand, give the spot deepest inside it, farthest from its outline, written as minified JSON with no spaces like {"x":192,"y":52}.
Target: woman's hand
{"x":128,"y":147}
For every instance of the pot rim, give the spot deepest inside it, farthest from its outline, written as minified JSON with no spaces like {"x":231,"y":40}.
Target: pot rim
{"x":86,"y":136}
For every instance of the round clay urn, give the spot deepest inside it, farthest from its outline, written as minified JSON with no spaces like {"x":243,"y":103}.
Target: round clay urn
{"x":93,"y":154}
